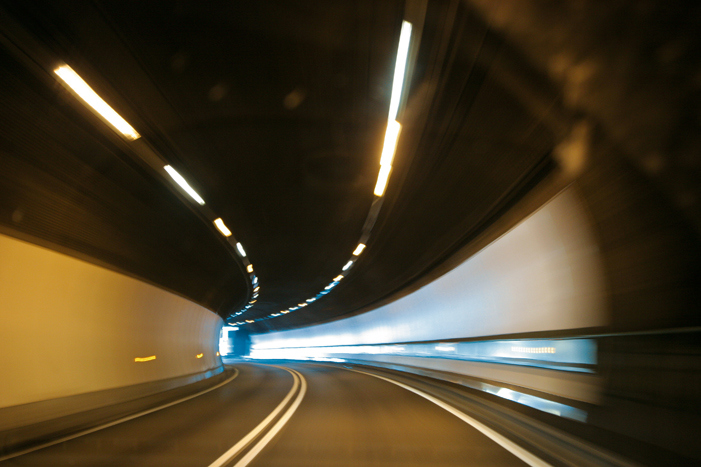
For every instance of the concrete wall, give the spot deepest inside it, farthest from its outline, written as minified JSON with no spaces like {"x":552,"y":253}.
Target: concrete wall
{"x":70,"y":327}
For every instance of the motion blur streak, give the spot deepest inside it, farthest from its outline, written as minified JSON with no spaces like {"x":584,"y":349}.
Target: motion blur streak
{"x":76,"y":83}
{"x":399,"y":69}
{"x":183,"y":184}
{"x":382,"y":178}
{"x":222,"y":227}
{"x":390,"y":145}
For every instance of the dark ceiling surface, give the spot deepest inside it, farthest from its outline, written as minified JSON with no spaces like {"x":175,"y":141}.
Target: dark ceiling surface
{"x":275,"y":112}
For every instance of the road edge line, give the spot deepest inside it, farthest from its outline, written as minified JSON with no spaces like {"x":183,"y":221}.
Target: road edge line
{"x":117,"y":422}
{"x":518,"y":451}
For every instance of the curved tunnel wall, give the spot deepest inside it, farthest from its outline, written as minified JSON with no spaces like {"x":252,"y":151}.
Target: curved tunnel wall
{"x":70,"y":327}
{"x":543,"y":275}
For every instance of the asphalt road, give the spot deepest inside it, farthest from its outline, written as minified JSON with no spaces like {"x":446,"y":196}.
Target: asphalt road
{"x":330,"y":417}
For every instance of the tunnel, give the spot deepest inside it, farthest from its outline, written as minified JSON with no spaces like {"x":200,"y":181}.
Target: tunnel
{"x":350,"y":233}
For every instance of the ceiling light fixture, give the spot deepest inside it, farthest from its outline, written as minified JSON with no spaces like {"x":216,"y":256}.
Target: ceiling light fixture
{"x":382,"y":180}
{"x":359,"y":249}
{"x":90,"y":97}
{"x":219,"y":223}
{"x":183,"y":184}
{"x":249,"y":268}
{"x":390,"y":145}
{"x":338,"y":278}
{"x":241,"y":250}
{"x":348,"y":264}
{"x":400,"y":69}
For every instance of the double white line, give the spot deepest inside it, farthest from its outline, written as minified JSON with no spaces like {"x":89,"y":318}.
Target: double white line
{"x":299,"y":384}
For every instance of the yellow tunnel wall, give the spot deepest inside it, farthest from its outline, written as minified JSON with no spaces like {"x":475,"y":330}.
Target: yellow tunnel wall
{"x":70,"y":327}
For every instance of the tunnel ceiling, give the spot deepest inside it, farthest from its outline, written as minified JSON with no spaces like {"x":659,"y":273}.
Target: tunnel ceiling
{"x":275,"y":112}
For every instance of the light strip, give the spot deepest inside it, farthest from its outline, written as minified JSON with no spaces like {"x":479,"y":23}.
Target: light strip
{"x":90,"y":97}
{"x":241,"y":250}
{"x":348,"y":264}
{"x":382,"y":178}
{"x":399,"y":69}
{"x":145,"y":359}
{"x":249,"y":268}
{"x":183,"y":184}
{"x":390,"y":146}
{"x":359,"y":249}
{"x":222,"y":227}
{"x":338,"y":278}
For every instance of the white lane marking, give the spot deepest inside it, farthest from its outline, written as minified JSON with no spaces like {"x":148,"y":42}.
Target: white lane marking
{"x":117,"y":422}
{"x":245,"y":460}
{"x":504,"y":442}
{"x":245,"y":441}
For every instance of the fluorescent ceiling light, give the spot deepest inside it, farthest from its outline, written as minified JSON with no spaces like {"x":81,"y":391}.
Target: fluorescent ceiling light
{"x":399,"y":69}
{"x":90,"y":97}
{"x":382,"y":178}
{"x":359,"y":249}
{"x":241,"y":250}
{"x":183,"y":184}
{"x":348,"y":264}
{"x":391,"y":137}
{"x":249,"y":268}
{"x":222,"y":227}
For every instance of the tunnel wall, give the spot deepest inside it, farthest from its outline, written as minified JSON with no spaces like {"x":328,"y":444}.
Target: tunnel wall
{"x":70,"y":327}
{"x":543,"y":275}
